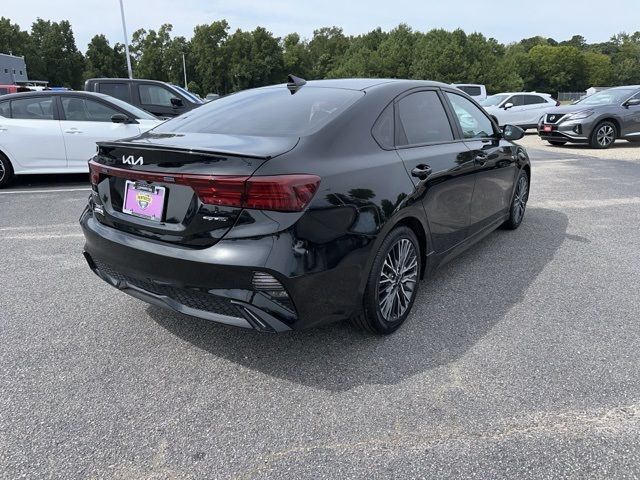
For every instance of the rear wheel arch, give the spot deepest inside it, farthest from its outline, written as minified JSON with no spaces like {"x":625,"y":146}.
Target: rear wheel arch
{"x":418,"y":229}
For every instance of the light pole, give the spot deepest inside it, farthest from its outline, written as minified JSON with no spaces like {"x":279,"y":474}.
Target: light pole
{"x":184,"y":69}
{"x":126,"y":40}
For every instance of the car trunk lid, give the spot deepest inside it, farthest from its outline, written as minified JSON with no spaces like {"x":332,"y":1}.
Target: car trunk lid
{"x":154,"y":185}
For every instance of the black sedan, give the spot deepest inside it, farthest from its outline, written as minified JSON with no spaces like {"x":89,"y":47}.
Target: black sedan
{"x":305,"y":203}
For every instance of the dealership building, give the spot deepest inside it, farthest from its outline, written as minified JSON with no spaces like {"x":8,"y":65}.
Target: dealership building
{"x":12,"y":69}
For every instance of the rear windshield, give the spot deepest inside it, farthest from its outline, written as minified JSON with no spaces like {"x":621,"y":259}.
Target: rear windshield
{"x":266,"y":112}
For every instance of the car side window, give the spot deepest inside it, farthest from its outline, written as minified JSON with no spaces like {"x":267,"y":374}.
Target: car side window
{"x":117,"y":90}
{"x":422,"y":119}
{"x":383,"y":130}
{"x":34,"y":108}
{"x":155,"y":95}
{"x":534,"y":100}
{"x":516,"y":100}
{"x":5,"y":111}
{"x":473,"y":122}
{"x":84,"y":110}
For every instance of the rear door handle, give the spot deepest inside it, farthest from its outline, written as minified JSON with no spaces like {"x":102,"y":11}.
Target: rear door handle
{"x":73,"y":130}
{"x":421,"y":171}
{"x":3,"y":128}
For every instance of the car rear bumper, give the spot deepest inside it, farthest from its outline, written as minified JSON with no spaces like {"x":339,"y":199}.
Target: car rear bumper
{"x":217,"y":283}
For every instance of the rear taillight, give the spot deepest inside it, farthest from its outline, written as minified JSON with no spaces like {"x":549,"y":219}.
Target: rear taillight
{"x":284,"y":193}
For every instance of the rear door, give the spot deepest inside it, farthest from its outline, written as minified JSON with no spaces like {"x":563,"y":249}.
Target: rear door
{"x":86,"y":121}
{"x":32,"y":136}
{"x":493,"y":163}
{"x":535,"y":108}
{"x":427,"y":142}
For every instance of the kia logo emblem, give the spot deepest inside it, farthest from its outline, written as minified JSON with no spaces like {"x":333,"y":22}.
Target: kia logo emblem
{"x":130,"y":160}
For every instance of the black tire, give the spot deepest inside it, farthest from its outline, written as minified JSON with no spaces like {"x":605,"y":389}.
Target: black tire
{"x":518,"y":203}
{"x":557,"y":143}
{"x":604,"y":135}
{"x":384,"y":283}
{"x":6,"y":171}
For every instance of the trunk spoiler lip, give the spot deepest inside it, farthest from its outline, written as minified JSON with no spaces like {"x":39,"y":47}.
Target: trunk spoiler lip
{"x":193,"y":151}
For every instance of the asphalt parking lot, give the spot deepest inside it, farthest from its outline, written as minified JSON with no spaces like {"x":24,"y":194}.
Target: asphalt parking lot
{"x":521,"y":358}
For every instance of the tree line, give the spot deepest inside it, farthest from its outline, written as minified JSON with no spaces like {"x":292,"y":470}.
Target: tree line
{"x":221,"y":61}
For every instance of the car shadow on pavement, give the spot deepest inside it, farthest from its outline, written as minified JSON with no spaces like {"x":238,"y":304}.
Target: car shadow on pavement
{"x":455,"y":308}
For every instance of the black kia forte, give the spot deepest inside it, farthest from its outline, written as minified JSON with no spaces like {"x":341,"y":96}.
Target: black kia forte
{"x":305,"y":203}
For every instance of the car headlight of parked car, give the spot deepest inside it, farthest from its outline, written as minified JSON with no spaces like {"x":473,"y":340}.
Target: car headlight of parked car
{"x":580,"y":115}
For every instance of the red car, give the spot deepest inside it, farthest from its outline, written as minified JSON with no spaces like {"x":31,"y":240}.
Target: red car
{"x":4,"y":89}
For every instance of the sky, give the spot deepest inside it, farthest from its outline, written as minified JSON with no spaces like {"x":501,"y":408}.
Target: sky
{"x":507,"y":21}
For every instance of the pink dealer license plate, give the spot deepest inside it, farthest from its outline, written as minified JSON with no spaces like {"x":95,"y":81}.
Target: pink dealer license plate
{"x":144,"y":201}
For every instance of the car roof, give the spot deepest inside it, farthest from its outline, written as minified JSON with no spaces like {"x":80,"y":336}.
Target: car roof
{"x":132,"y":80}
{"x":61,"y":93}
{"x":367,"y":83}
{"x":523,"y":93}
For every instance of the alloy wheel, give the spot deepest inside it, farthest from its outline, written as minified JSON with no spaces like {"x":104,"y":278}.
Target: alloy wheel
{"x":605,"y":135}
{"x":520,"y":199}
{"x":398,"y":280}
{"x":3,"y":172}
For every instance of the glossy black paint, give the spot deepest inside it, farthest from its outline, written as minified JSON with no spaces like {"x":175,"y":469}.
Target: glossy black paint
{"x":322,"y":255}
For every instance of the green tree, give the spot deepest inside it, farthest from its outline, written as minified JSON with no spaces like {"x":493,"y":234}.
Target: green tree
{"x":557,"y":68}
{"x":12,"y":39}
{"x":598,"y":69}
{"x":326,"y":49}
{"x":53,"y":55}
{"x":102,"y":60}
{"x":208,"y":57}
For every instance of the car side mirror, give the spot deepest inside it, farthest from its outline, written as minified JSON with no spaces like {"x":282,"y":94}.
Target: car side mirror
{"x":121,"y":118}
{"x":633,"y":102}
{"x":177,"y":102}
{"x":507,"y":106}
{"x":512,"y":133}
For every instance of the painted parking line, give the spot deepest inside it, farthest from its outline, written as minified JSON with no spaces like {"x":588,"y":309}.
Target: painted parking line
{"x":59,"y":190}
{"x":61,"y":226}
{"x":41,"y":237}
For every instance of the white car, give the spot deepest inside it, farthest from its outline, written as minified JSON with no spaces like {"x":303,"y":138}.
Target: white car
{"x":524,"y":109}
{"x":57,"y":131}
{"x":476,"y":91}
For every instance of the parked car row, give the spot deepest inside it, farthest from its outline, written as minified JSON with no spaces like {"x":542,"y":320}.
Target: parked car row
{"x":57,"y":131}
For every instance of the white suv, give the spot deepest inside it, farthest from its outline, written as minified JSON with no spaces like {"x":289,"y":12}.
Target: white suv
{"x":523,"y":109}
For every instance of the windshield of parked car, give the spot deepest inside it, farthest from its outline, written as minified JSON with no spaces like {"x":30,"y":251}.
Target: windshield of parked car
{"x":132,"y":109}
{"x":608,"y":97}
{"x":271,"y":111}
{"x":493,"y":100}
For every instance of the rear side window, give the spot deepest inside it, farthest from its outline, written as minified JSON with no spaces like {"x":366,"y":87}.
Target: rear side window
{"x":471,"y":90}
{"x":473,"y":123}
{"x":82,"y":110}
{"x":5,"y":111}
{"x":422,"y":119}
{"x":35,"y":108}
{"x":271,"y":111}
{"x":383,"y":130}
{"x":155,"y":95}
{"x":117,"y":90}
{"x":533,"y":100}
